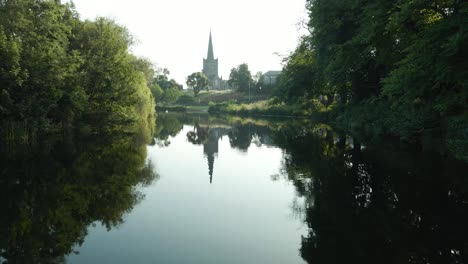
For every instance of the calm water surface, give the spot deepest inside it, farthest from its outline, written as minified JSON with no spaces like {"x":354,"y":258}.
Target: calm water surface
{"x":232,"y":190}
{"x":212,"y":204}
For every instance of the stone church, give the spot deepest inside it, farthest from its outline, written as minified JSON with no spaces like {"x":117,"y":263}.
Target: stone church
{"x":210,"y":69}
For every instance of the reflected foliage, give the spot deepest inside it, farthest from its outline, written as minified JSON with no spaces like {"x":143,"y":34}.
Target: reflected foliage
{"x":240,"y":137}
{"x":366,"y":201}
{"x":166,"y":126}
{"x":199,"y":135}
{"x":376,"y":203}
{"x":55,"y":188}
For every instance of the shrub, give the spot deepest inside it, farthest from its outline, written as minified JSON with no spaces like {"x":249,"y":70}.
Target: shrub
{"x":185,"y":99}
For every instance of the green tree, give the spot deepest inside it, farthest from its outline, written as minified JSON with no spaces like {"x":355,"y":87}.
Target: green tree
{"x":162,"y":79}
{"x":197,"y":81}
{"x":171,"y":94}
{"x":429,"y":85}
{"x":11,"y":74}
{"x":169,"y":89}
{"x":146,"y":67}
{"x":301,"y":79}
{"x":258,"y":83}
{"x":57,"y":72}
{"x":114,"y":80}
{"x":38,"y":65}
{"x":157,"y":91}
{"x":241,"y":78}
{"x":396,"y":67}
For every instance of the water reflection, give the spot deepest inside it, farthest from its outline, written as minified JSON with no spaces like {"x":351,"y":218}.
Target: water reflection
{"x":374,"y":201}
{"x":53,"y":189}
{"x":208,"y":136}
{"x":378,"y":203}
{"x":363,"y":201}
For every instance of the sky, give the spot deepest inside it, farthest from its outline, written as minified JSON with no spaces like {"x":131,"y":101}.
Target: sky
{"x":173,"y":34}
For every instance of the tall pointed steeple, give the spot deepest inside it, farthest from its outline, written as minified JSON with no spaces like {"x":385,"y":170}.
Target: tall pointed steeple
{"x":210,"y":67}
{"x":210,"y":55}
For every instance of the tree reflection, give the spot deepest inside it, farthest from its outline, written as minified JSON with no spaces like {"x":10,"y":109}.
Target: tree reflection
{"x":240,"y":137}
{"x":167,"y":125}
{"x":366,"y":201}
{"x":382,"y":203}
{"x":53,"y":190}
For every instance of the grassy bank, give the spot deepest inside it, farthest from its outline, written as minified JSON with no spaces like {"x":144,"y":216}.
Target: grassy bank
{"x":187,"y":102}
{"x":213,"y":96}
{"x":271,"y":108}
{"x":182,"y":108}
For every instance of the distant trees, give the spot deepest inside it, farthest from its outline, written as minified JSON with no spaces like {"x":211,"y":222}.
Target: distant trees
{"x":241,"y":78}
{"x":197,"y":81}
{"x":59,"y":72}
{"x":259,"y":85}
{"x":163,"y":89}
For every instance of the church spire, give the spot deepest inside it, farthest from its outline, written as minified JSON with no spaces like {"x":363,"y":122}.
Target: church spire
{"x":210,"y":49}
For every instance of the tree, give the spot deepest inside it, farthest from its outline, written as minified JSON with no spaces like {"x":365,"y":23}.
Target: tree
{"x":162,"y":79}
{"x":146,"y":67}
{"x":57,"y":71}
{"x":171,"y":94}
{"x":164,"y":90}
{"x":300,"y":78}
{"x":258,"y":80}
{"x":197,"y":81}
{"x":36,"y":64}
{"x":241,"y":78}
{"x":157,"y":92}
{"x":402,"y":63}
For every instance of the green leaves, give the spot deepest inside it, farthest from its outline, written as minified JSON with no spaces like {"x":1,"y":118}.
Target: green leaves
{"x":197,"y":81}
{"x":57,"y":71}
{"x":241,"y":78}
{"x":410,"y":56}
{"x":163,"y":89}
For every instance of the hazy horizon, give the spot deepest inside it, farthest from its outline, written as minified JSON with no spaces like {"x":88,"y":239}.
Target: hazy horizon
{"x":174,"y":34}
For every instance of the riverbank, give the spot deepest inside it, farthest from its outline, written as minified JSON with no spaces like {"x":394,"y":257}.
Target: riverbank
{"x":371,"y":119}
{"x":271,"y":108}
{"x":183,"y":108}
{"x":187,"y":102}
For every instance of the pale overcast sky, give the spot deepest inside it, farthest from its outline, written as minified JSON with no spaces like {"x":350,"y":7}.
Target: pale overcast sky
{"x":174,"y":34}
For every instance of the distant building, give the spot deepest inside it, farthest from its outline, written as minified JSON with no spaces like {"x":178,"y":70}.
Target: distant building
{"x":271,"y":77}
{"x":210,"y":69}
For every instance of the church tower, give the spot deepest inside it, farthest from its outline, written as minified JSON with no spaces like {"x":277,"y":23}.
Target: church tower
{"x":210,"y":66}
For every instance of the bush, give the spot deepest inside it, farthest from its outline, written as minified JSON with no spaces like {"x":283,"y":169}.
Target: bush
{"x":185,"y":99}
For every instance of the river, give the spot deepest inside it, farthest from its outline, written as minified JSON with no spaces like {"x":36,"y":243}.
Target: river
{"x":233,"y":190}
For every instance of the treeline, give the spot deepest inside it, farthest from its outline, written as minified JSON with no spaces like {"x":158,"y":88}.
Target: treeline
{"x":393,"y":67}
{"x":58,"y":72}
{"x":164,"y":89}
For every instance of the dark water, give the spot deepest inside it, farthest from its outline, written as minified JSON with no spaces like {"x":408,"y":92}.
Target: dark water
{"x":232,"y":190}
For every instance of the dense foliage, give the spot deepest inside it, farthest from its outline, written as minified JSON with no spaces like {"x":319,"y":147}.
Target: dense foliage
{"x":165,"y":90}
{"x":58,"y":72}
{"x":400,"y":67}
